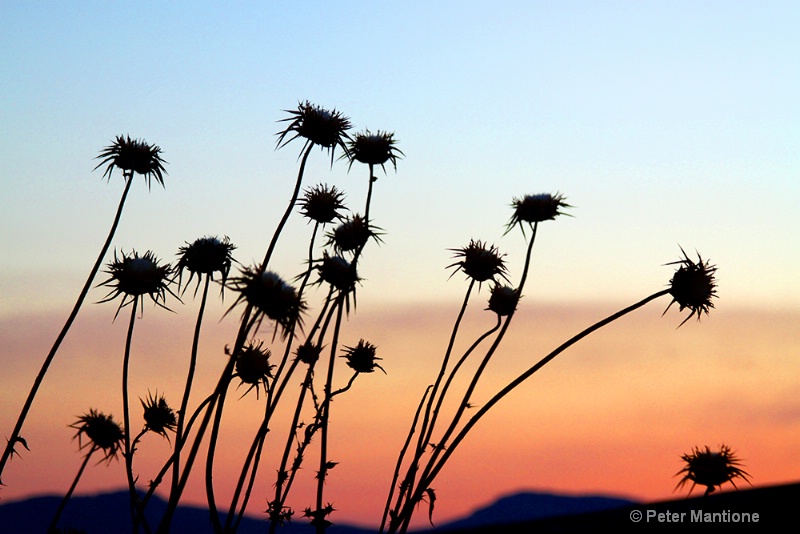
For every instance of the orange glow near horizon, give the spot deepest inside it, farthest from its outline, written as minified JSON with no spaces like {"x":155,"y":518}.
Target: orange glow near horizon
{"x":611,"y":415}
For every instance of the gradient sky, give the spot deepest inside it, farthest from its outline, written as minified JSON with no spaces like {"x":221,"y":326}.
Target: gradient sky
{"x":663,"y":123}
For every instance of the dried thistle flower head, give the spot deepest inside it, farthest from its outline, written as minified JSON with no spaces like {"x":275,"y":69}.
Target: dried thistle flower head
{"x":134,"y":276}
{"x":693,"y":286}
{"x":374,"y":149}
{"x":205,"y":255}
{"x":317,"y":125}
{"x":253,"y":367}
{"x":352,"y":234}
{"x":308,"y":353}
{"x":480,"y":261}
{"x":103,"y":433}
{"x":270,"y":295}
{"x":158,"y":416}
{"x":503,"y":300}
{"x":133,"y":155}
{"x":711,"y":468}
{"x":338,"y":272}
{"x":322,"y":204}
{"x":361,"y":358}
{"x":536,"y":208}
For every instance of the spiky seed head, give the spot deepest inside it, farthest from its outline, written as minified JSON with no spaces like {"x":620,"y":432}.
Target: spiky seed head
{"x":134,"y":276}
{"x":362,"y":358}
{"x":711,"y":468}
{"x":270,"y":295}
{"x":252,"y":365}
{"x":322,"y":204}
{"x":317,"y":125}
{"x":158,"y":416}
{"x":133,"y":156}
{"x":693,"y":286}
{"x":308,"y":353}
{"x":536,"y":208}
{"x":103,"y":432}
{"x":337,"y":272}
{"x":503,"y":300}
{"x":351,"y":234}
{"x":374,"y":149}
{"x":480,"y":261}
{"x":205,"y":255}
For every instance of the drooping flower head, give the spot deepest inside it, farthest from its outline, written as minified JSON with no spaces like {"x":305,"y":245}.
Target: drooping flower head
{"x":134,"y":276}
{"x":253,"y":367}
{"x":270,"y":295}
{"x":103,"y":433}
{"x":503,"y":300}
{"x":711,"y":468}
{"x":205,"y":255}
{"x":374,"y":149}
{"x":536,"y":208}
{"x":693,"y":286}
{"x":158,"y":416}
{"x":353,"y":233}
{"x":322,"y":204}
{"x":361,"y":358}
{"x":133,"y":155}
{"x":317,"y":125}
{"x":479,"y":261}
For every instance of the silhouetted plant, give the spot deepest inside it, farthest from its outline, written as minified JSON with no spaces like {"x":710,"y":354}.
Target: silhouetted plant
{"x":711,"y":469}
{"x":103,"y":434}
{"x":130,"y":156}
{"x":692,"y":286}
{"x":264,"y":298}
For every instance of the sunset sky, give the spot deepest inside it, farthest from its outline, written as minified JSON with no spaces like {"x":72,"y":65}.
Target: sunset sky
{"x":665,"y":125}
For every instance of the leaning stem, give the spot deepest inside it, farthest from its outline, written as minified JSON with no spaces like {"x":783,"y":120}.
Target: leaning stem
{"x":443,"y":445}
{"x":15,"y":434}
{"x":187,"y":390}
{"x":325,"y":414}
{"x":67,"y":496}
{"x":527,"y":374}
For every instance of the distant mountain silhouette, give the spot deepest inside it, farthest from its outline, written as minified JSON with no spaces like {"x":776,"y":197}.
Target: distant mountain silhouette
{"x":109,"y":513}
{"x":530,"y":506}
{"x":764,"y":509}
{"x":521,"y":513}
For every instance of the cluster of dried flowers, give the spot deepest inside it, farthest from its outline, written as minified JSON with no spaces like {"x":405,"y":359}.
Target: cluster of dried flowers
{"x":263,"y":296}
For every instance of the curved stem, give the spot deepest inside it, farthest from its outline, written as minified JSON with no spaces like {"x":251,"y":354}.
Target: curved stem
{"x":400,"y":457}
{"x":15,"y":434}
{"x":443,"y":444}
{"x":527,"y":374}
{"x":187,"y":389}
{"x":320,"y":521}
{"x":129,"y":449}
{"x":71,"y":490}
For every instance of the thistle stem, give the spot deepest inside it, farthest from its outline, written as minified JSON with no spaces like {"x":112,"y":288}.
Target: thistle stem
{"x":187,"y":390}
{"x":72,"y":487}
{"x":428,"y":479}
{"x":320,"y":522}
{"x":127,"y":417}
{"x":15,"y":434}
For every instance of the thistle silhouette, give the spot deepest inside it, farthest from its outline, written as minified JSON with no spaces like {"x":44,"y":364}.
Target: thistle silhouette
{"x":131,"y":157}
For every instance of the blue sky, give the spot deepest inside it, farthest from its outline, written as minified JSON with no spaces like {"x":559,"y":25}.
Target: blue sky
{"x":664,"y":124}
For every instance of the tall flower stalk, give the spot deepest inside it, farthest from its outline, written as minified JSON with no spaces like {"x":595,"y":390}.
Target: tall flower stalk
{"x":105,"y":435}
{"x":132,"y":277}
{"x":130,"y":156}
{"x":693,"y":286}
